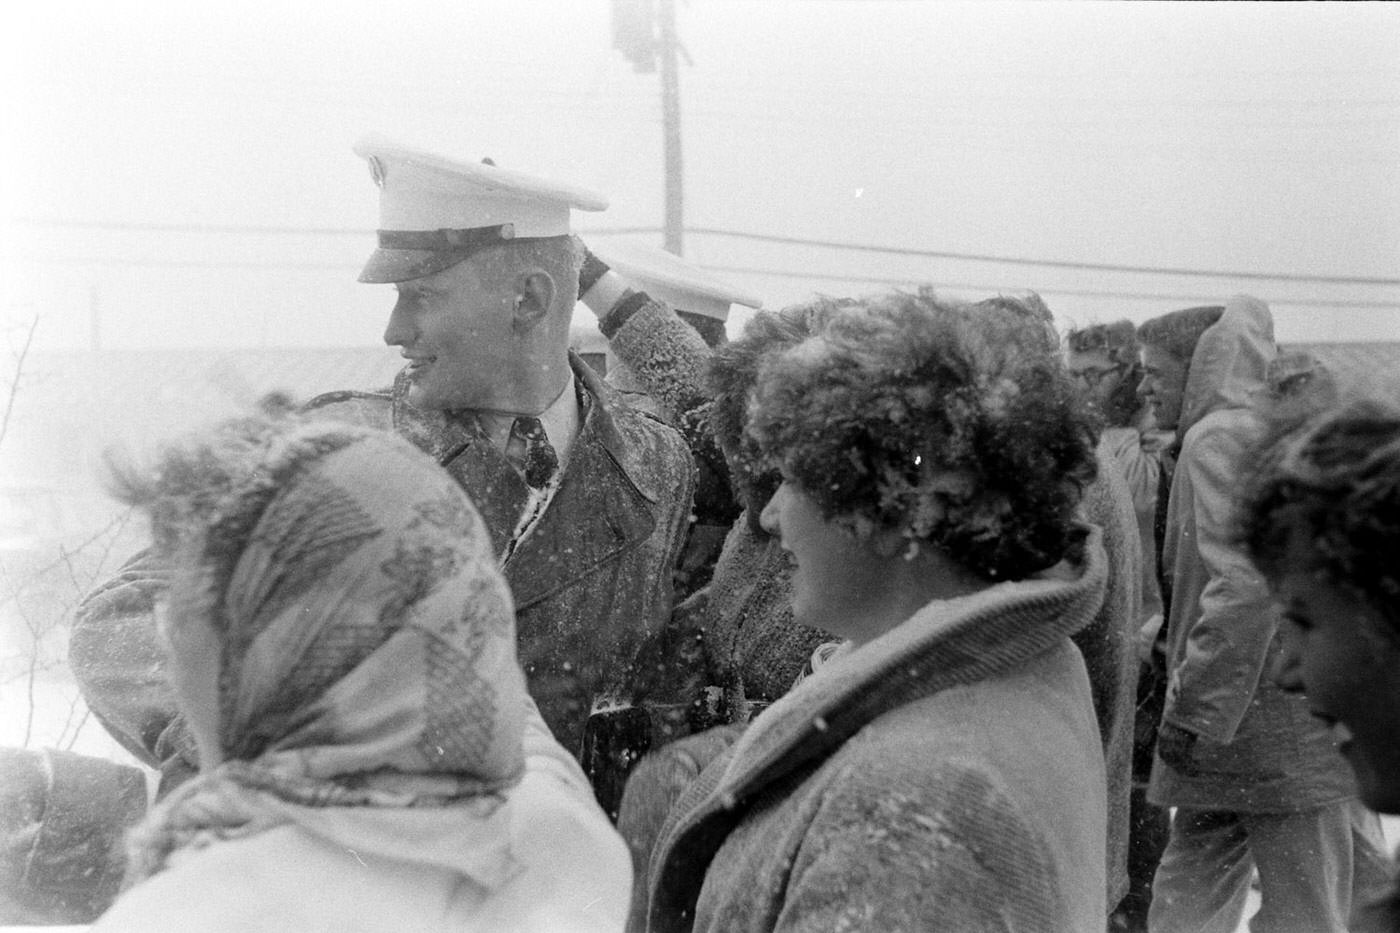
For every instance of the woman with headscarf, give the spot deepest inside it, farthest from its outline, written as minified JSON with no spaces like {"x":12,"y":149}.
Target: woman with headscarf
{"x":343,"y":649}
{"x":943,"y":770}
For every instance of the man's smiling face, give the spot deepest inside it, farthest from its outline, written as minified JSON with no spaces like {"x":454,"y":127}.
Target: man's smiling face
{"x":454,"y":327}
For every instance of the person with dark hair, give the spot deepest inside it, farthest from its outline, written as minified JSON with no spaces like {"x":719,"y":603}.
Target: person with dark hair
{"x":733,"y":647}
{"x":1321,"y":521}
{"x":1103,"y":359}
{"x":587,"y":500}
{"x":342,"y":650}
{"x":943,"y":769}
{"x":746,"y":644}
{"x":1256,"y":782}
{"x":702,"y":301}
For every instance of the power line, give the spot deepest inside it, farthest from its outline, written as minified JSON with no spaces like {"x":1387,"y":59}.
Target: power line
{"x":250,"y":229}
{"x":744,"y":270}
{"x":1077,"y":293}
{"x":280,"y":266}
{"x":740,"y":234}
{"x":1053,"y":263}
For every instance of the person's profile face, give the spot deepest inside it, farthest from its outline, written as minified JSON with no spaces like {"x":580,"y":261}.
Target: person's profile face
{"x":1096,"y":374}
{"x":454,"y":328}
{"x":1163,"y":386}
{"x":834,"y":571}
{"x":1334,"y":650}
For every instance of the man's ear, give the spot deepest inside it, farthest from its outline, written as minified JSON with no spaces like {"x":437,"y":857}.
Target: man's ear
{"x":534,"y":297}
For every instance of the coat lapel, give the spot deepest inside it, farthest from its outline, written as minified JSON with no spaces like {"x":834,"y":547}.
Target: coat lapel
{"x":495,"y":488}
{"x":459,"y":444}
{"x":596,"y":514}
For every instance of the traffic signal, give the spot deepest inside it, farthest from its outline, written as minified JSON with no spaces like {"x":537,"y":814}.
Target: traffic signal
{"x":634,"y":33}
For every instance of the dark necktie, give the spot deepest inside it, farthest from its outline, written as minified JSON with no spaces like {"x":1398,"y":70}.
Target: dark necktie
{"x":530,"y":451}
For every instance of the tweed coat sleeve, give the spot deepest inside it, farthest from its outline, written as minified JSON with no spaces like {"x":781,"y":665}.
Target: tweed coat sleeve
{"x":653,"y":789}
{"x":1227,"y":645}
{"x":941,"y":850}
{"x":116,"y":656}
{"x":670,"y":360}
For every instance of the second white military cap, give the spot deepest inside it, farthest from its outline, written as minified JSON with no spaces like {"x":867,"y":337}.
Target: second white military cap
{"x":435,"y":211}
{"x":669,"y":278}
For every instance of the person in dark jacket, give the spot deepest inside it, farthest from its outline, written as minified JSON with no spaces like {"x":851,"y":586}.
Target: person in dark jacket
{"x":703,"y":301}
{"x":1322,"y":523}
{"x":1256,"y":781}
{"x":749,"y":648}
{"x":587,"y":501}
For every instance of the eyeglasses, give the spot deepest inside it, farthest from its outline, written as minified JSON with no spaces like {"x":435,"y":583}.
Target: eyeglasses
{"x":1093,"y":377}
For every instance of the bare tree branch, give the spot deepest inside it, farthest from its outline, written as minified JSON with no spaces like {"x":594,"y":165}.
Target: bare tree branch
{"x":68,"y":720}
{"x":87,"y":714}
{"x":14,"y":383}
{"x":118,"y":523}
{"x":29,"y":711}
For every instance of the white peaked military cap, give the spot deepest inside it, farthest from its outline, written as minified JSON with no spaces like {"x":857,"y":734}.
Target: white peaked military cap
{"x":435,"y":211}
{"x":669,"y":278}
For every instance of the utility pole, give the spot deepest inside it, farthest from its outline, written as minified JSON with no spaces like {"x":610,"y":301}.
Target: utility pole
{"x":644,"y":31}
{"x":671,"y":129}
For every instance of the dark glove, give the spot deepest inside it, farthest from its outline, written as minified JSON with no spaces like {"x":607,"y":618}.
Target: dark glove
{"x":590,"y":271}
{"x":614,"y":740}
{"x":1175,"y":746}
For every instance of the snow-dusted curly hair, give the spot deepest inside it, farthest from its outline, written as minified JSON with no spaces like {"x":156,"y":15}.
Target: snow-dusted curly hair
{"x":1330,"y":477}
{"x":732,"y":376}
{"x":954,"y":425}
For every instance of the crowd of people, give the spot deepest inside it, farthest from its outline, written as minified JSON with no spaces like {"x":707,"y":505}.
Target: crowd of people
{"x":893,"y":613}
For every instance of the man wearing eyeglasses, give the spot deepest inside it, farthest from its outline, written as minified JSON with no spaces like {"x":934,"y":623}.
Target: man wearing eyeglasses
{"x":1103,"y":359}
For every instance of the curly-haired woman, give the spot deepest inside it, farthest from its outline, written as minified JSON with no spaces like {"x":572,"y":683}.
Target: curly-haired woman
{"x":342,"y":647}
{"x":944,"y":769}
{"x":1322,"y":523}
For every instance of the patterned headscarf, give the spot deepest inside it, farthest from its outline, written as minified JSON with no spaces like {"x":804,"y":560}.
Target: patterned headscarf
{"x":368,"y":667}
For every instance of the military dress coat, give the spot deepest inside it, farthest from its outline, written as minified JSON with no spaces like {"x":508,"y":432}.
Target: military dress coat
{"x":590,"y":581}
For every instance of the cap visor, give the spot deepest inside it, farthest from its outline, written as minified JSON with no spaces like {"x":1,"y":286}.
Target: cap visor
{"x":401,"y":265}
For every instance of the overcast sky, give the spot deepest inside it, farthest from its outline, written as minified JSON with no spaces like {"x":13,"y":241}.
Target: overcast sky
{"x":1227,"y":137}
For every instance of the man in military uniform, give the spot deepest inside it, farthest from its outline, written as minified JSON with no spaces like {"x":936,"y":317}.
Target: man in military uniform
{"x":587,"y":500}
